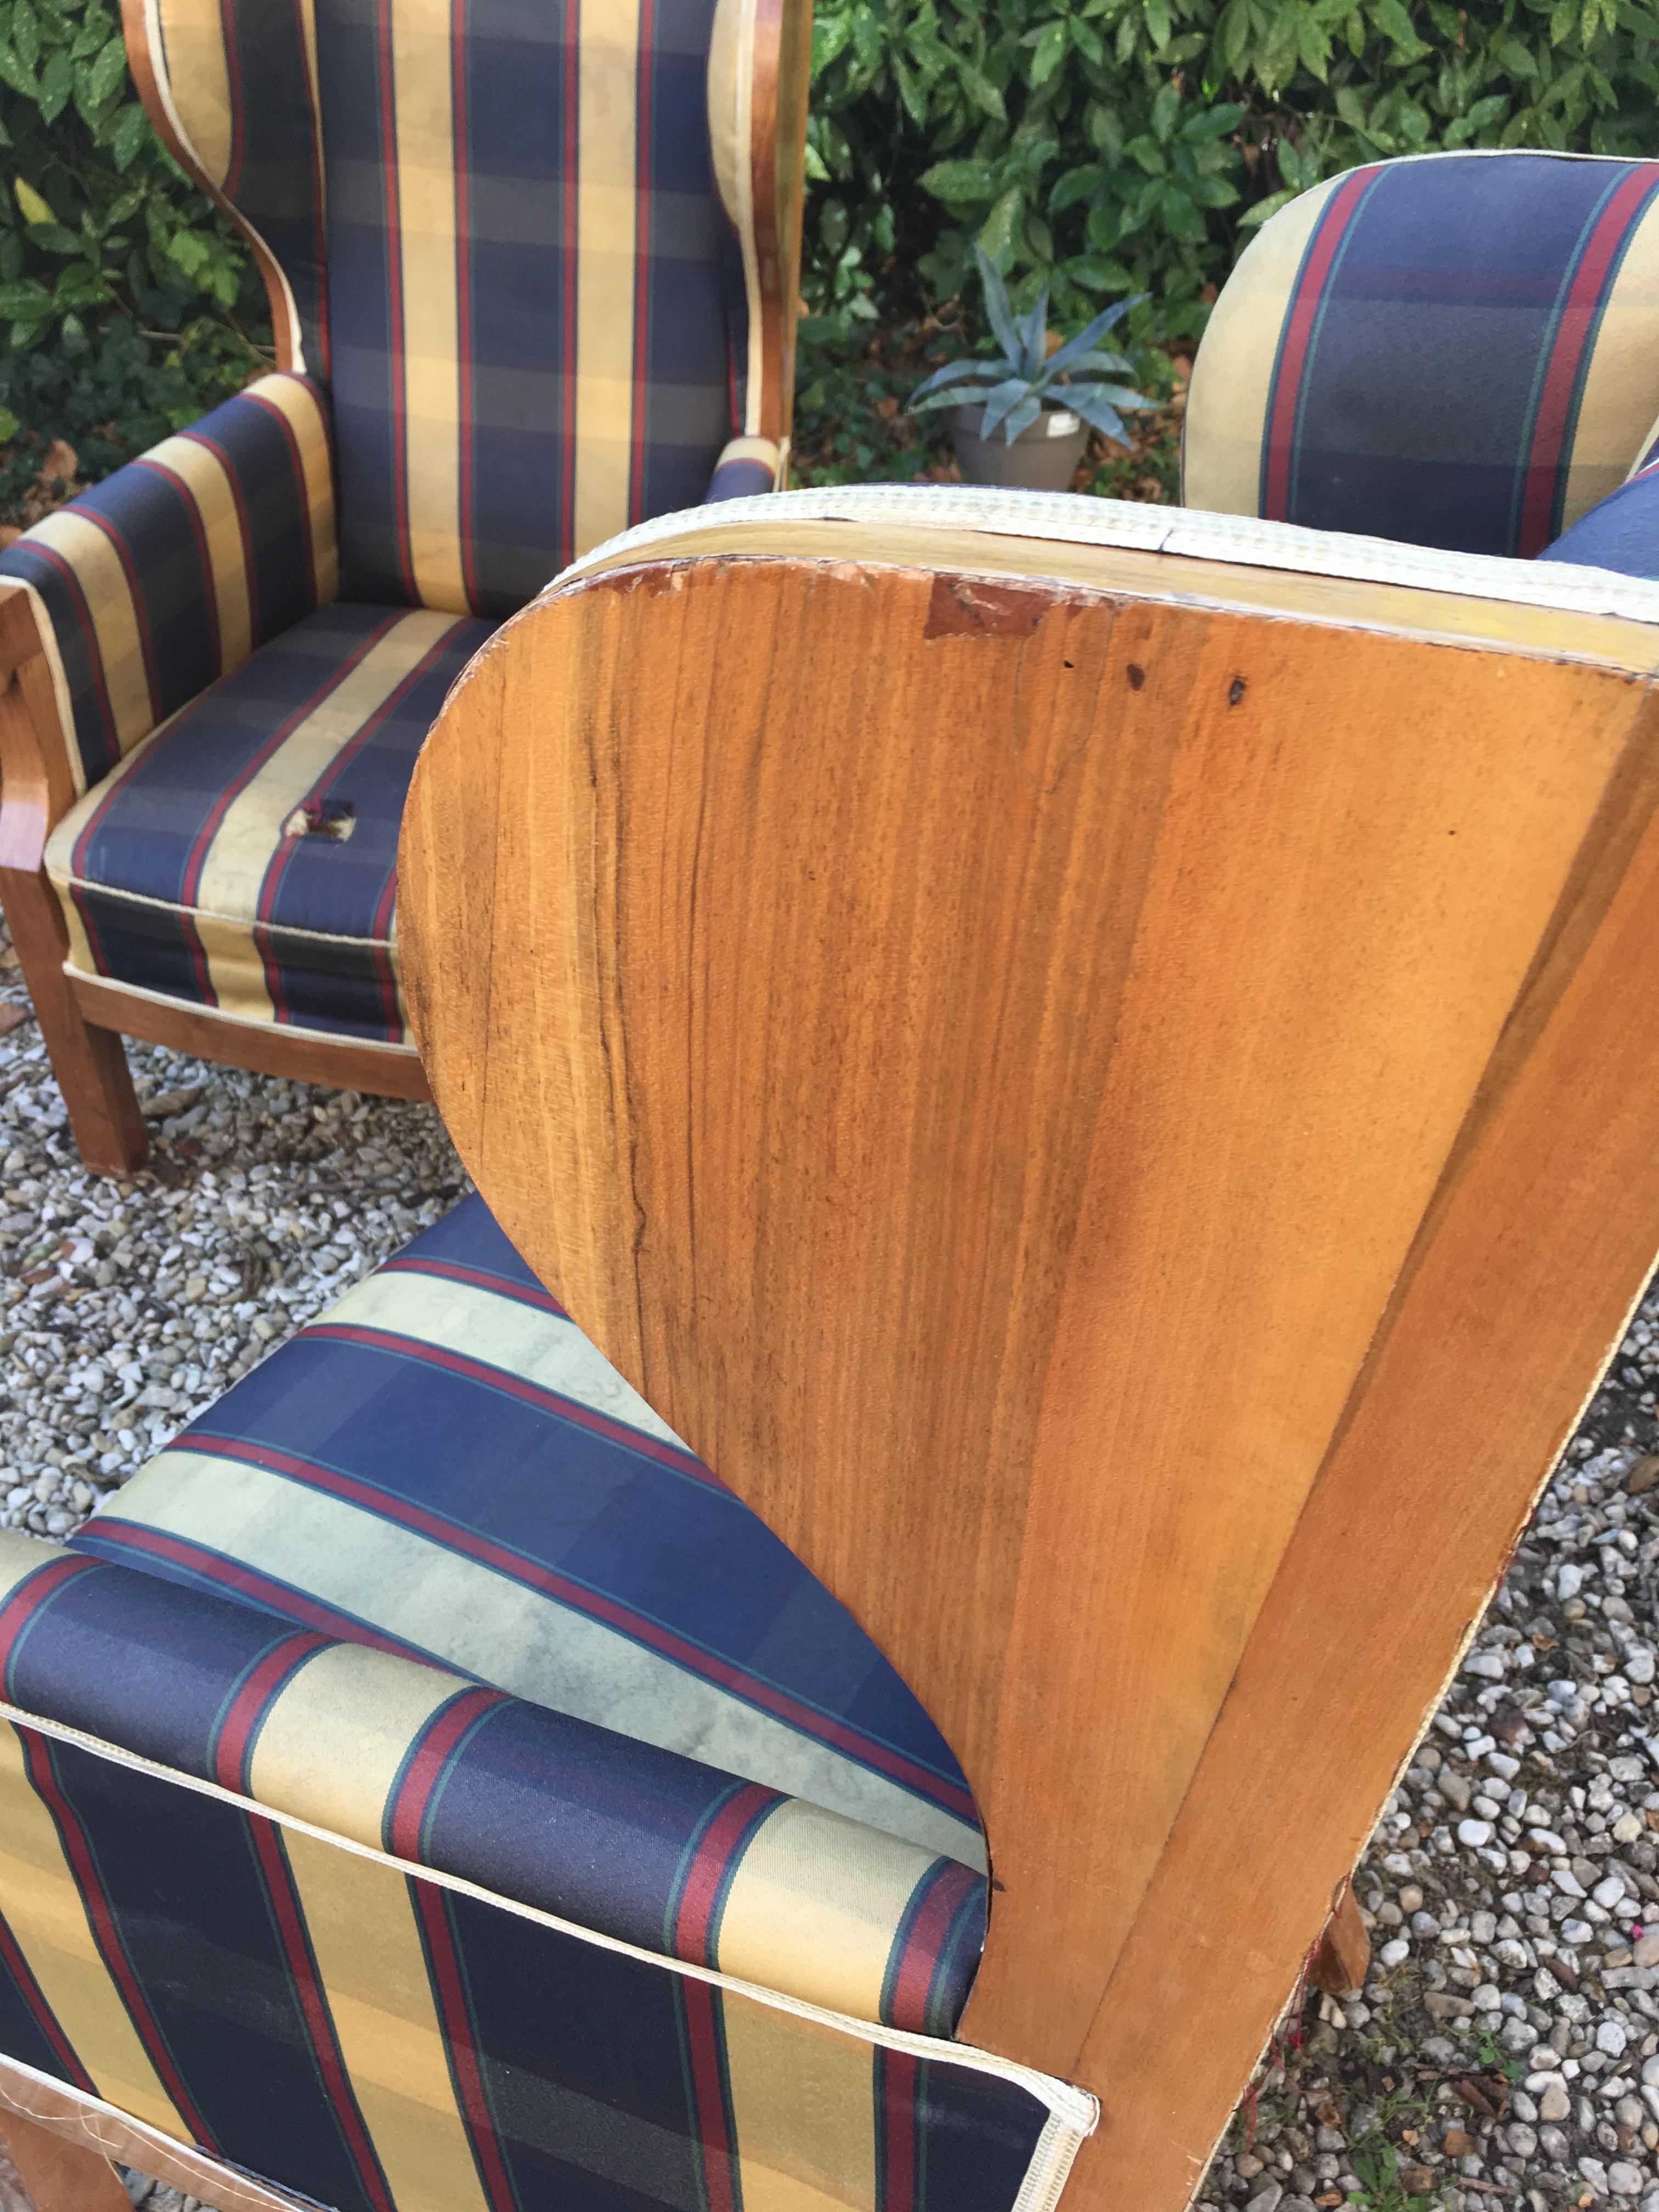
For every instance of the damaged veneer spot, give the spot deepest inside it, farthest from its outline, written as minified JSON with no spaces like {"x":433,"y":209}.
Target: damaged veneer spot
{"x":322,"y":817}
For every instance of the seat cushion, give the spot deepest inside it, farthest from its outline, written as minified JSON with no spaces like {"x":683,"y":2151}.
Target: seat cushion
{"x":444,"y":1465}
{"x":243,"y":858}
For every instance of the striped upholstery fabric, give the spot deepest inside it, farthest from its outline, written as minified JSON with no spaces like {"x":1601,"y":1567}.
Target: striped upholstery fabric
{"x":171,"y":573}
{"x":1454,"y":349}
{"x":244,"y":855}
{"x":443,"y":1463}
{"x":427,"y":1788}
{"x":622,"y":1838}
{"x":747,"y":467}
{"x":376,"y":2038}
{"x":509,"y":256}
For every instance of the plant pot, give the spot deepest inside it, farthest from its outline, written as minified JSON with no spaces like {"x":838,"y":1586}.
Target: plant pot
{"x":1043,"y":457}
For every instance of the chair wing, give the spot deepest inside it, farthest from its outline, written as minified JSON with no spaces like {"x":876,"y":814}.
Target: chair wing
{"x":1453,"y":349}
{"x":1099,"y":1067}
{"x":543,"y":260}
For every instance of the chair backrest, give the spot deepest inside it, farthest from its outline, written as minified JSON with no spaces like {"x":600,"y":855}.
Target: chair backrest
{"x":541,"y":255}
{"x":1454,"y":349}
{"x":1109,"y":1087}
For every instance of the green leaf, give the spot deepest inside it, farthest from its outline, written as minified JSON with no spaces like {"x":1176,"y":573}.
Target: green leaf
{"x":36,"y":209}
{"x":107,"y":73}
{"x":1165,"y":110}
{"x":1209,"y":123}
{"x":25,"y":34}
{"x":1050,"y":53}
{"x":1076,"y":185}
{"x":9,"y":426}
{"x":980,"y":90}
{"x":996,"y":236}
{"x":1098,"y":273}
{"x":1157,"y":13}
{"x":57,"y":82}
{"x":963,"y":182}
{"x":1262,"y":208}
{"x":132,"y":135}
{"x":24,"y":302}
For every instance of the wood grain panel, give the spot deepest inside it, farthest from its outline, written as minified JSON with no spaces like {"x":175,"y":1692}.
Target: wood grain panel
{"x":995,"y":1062}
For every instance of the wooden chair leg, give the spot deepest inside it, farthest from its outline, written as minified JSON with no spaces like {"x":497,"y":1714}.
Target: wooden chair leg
{"x":90,"y":1064}
{"x":1342,"y":1957}
{"x":60,"y":2176}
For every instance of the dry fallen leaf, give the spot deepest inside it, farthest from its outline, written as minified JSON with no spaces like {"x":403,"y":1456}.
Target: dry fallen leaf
{"x":1643,"y":1475}
{"x":12,"y":1017}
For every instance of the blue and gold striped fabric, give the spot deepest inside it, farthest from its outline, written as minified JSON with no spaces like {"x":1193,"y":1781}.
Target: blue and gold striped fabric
{"x":376,"y":2038}
{"x":622,"y":1838}
{"x":1453,"y":349}
{"x":245,"y":854}
{"x":509,"y":258}
{"x":426,"y":1787}
{"x":443,"y":1463}
{"x":170,"y":573}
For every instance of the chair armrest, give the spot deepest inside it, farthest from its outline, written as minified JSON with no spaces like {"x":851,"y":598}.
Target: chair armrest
{"x":622,"y":1838}
{"x":170,"y":573}
{"x":745,"y":467}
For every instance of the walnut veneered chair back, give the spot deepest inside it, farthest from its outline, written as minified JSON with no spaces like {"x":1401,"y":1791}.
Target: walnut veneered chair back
{"x":1107,"y":1085}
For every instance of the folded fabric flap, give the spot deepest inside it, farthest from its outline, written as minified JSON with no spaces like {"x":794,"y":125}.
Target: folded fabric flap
{"x":617,"y":1836}
{"x":168,"y":574}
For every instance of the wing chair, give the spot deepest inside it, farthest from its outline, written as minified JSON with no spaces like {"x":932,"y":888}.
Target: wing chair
{"x":533,"y":276}
{"x":1110,"y":1099}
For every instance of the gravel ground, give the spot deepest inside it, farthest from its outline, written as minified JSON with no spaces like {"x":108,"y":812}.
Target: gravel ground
{"x":1505,"y":2050}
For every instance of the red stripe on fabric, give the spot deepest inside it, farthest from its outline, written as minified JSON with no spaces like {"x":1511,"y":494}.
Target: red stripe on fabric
{"x":192,"y":875}
{"x":712,"y":2132}
{"x":896,"y":2184}
{"x":464,"y":2070}
{"x":253,"y":1701}
{"x":193,"y":517}
{"x":517,"y":1385}
{"x":25,"y":1601}
{"x":425,"y":1765}
{"x":569,"y":189}
{"x":269,"y":1595}
{"x":306,"y":1984}
{"x":642,"y":214}
{"x":1555,"y":410}
{"x":722,"y":1673}
{"x":296,"y":462}
{"x":456,"y":1271}
{"x":46,"y":2020}
{"x":466,"y":520}
{"x":107,"y":1934}
{"x":396,"y":340}
{"x":82,"y":613}
{"x":923,"y":1941}
{"x":1292,"y":360}
{"x":276,"y":867}
{"x":245,"y":531}
{"x":706,"y":1877}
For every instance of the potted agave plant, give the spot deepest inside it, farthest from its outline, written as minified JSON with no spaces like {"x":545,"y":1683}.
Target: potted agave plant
{"x":1033,"y":396}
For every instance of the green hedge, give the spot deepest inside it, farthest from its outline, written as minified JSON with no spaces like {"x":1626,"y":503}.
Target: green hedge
{"x":1106,"y":147}
{"x":127,"y":306}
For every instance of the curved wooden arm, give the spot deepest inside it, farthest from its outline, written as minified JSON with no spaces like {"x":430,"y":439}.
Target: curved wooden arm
{"x":1114,"y":1100}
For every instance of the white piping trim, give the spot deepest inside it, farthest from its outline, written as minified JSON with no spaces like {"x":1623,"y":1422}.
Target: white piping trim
{"x":1072,"y":519}
{"x":1075,"y":2110}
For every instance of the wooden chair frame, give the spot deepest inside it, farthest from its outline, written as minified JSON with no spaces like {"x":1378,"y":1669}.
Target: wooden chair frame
{"x":1307,"y":925}
{"x":83,"y":1018}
